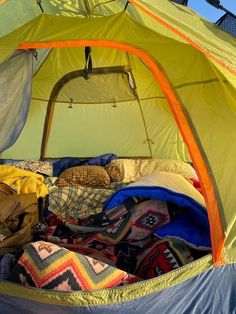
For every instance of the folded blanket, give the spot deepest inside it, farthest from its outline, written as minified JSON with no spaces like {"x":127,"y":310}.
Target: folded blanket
{"x":48,"y":266}
{"x":23,"y":181}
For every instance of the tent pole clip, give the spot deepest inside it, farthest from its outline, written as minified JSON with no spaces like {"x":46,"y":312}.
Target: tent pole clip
{"x":71,"y":102}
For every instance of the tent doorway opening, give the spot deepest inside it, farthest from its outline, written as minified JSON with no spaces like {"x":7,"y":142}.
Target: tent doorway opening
{"x":115,"y":108}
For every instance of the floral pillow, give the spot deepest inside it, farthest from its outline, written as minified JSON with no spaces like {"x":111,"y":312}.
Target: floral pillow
{"x":43,"y":167}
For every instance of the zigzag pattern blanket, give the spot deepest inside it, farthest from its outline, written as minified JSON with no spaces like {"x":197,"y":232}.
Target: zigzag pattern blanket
{"x":48,"y":266}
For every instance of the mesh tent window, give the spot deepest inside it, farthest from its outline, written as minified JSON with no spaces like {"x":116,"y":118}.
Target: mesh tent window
{"x":228,"y":23}
{"x":183,"y":2}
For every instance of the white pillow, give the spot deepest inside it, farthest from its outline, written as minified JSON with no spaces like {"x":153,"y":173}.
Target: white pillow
{"x":134,"y":169}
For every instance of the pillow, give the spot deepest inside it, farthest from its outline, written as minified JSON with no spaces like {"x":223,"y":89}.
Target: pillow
{"x":133,"y":169}
{"x":43,"y":167}
{"x":92,"y":176}
{"x":126,"y":168}
{"x":114,"y":172}
{"x":179,"y":167}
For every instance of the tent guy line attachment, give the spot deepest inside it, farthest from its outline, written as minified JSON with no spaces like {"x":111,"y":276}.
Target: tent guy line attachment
{"x":39,"y":3}
{"x":218,"y":5}
{"x":88,"y":62}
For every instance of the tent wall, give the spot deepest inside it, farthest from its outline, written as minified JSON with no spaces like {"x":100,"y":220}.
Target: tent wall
{"x":116,"y":127}
{"x":194,"y":295}
{"x":14,"y":97}
{"x":197,"y":64}
{"x":168,"y":54}
{"x":211,"y":106}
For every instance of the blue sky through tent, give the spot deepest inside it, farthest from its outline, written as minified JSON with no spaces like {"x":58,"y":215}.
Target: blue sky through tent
{"x":209,"y":12}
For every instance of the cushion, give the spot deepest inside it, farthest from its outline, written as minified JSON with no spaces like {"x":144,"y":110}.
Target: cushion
{"x":92,"y":176}
{"x":133,"y":169}
{"x":114,"y":172}
{"x":44,"y":167}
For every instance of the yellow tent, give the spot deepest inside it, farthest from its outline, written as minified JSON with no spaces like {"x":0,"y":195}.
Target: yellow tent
{"x":140,"y":78}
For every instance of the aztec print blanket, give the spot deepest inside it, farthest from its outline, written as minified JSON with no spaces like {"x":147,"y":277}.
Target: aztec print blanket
{"x":129,"y":242}
{"x":192,"y":225}
{"x":147,"y":228}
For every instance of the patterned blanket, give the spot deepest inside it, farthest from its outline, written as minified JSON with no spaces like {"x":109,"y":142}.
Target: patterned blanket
{"x":129,"y":242}
{"x":146,"y":228}
{"x":48,"y":266}
{"x":74,"y":203}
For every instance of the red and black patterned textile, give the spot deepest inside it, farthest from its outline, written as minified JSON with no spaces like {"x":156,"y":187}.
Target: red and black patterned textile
{"x":128,"y":243}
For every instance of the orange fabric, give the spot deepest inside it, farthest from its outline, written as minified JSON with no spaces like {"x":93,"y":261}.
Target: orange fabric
{"x":183,"y":36}
{"x":216,"y":229}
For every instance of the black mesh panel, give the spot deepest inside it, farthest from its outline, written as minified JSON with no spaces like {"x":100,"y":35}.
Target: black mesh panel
{"x":184,"y":2}
{"x":228,"y":23}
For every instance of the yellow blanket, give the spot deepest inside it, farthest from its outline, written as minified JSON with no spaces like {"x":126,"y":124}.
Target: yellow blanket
{"x":23,"y":181}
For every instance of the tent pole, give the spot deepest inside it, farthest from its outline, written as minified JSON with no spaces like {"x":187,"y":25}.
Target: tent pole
{"x":126,"y":5}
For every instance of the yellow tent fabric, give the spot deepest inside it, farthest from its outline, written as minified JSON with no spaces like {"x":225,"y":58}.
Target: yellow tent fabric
{"x":204,"y":86}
